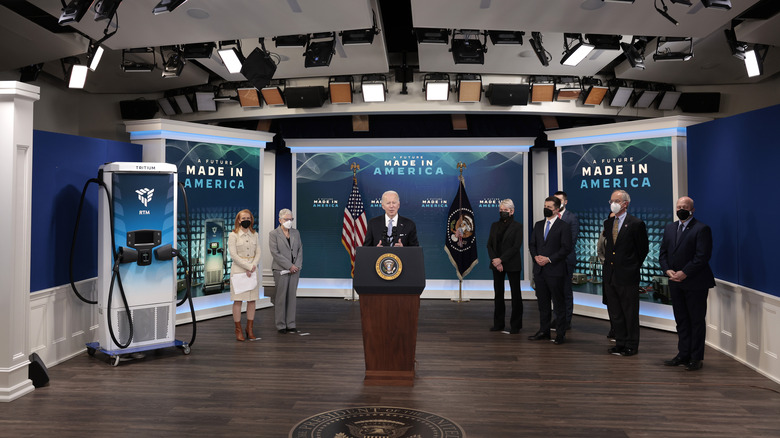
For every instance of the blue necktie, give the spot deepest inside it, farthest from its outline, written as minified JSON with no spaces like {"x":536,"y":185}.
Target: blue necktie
{"x":546,"y":230}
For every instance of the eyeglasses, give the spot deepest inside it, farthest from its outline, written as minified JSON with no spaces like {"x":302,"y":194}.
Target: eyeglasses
{"x":288,"y":218}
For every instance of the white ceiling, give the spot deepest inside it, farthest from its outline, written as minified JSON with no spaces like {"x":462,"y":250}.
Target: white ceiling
{"x":25,"y":42}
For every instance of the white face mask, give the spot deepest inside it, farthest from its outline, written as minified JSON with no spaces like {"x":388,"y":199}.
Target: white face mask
{"x":615,"y":207}
{"x":287,"y":224}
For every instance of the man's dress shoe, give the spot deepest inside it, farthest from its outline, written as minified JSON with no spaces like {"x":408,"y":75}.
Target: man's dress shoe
{"x":693,"y":365}
{"x":628,"y":352}
{"x":539,"y":336}
{"x":676,"y":362}
{"x":559,"y":340}
{"x":615,"y":350}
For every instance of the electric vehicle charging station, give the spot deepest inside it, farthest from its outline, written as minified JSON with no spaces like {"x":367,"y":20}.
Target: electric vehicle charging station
{"x":137,"y":284}
{"x":214,"y":256}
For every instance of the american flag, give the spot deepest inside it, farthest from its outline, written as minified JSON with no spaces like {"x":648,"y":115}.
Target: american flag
{"x":354,"y":231}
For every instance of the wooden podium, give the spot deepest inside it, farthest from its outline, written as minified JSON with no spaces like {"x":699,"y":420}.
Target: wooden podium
{"x":389,"y":281}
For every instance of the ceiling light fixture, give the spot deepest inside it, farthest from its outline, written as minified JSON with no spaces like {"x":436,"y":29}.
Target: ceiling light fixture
{"x":664,"y":12}
{"x":754,"y":60}
{"x":135,"y":63}
{"x":594,"y":93}
{"x":248,"y":97}
{"x":574,"y":49}
{"x":432,"y":36}
{"x":505,"y":37}
{"x":167,"y":6}
{"x":260,"y":66}
{"x":204,"y":101}
{"x":320,"y":49}
{"x":232,"y":57}
{"x":74,"y":11}
{"x":291,"y":40}
{"x":664,"y":46}
{"x":541,"y":53}
{"x":669,"y":97}
{"x":30,"y":73}
{"x":184,"y":103}
{"x":173,"y":66}
{"x":635,"y":52}
{"x":340,"y":89}
{"x":542,"y":88}
{"x":620,"y":93}
{"x":469,"y":87}
{"x":604,"y":42}
{"x":374,"y":88}
{"x":105,"y":9}
{"x":359,"y":36}
{"x":166,"y":106}
{"x":75,"y":73}
{"x":436,"y":86}
{"x":717,"y":4}
{"x":273,"y":95}
{"x":644,"y":94}
{"x":567,"y":88}
{"x":467,"y":48}
{"x":198,"y":50}
{"x":94,"y":53}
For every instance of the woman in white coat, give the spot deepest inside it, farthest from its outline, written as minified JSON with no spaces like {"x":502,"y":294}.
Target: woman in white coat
{"x":287,"y":252}
{"x":244,"y":249}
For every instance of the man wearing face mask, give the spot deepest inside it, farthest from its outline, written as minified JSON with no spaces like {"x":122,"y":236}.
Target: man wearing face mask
{"x":549,"y":246}
{"x":684,"y":257}
{"x":571,"y":260}
{"x":287,"y":252}
{"x":504,"y":245}
{"x":625,"y":248}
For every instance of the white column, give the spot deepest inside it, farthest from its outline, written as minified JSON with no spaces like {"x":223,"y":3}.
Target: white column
{"x":16,"y":130}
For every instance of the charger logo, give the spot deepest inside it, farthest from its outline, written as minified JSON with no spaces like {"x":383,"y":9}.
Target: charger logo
{"x":145,"y":195}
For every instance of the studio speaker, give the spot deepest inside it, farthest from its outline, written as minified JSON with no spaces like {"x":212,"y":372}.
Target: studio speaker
{"x":305,"y":97}
{"x":507,"y":94}
{"x":37,"y":371}
{"x":699,"y":102}
{"x":258,"y":68}
{"x":138,"y":109}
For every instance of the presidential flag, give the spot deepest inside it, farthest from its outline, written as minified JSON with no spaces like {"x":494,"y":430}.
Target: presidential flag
{"x":461,"y":238}
{"x":353,"y":232}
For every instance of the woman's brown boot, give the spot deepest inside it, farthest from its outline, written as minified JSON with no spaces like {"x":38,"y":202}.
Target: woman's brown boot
{"x":249,"y":325}
{"x":239,"y":332}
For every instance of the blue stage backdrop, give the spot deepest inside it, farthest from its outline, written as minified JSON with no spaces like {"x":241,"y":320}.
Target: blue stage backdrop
{"x":591,"y":172}
{"x":427,"y":183}
{"x":220,"y":181}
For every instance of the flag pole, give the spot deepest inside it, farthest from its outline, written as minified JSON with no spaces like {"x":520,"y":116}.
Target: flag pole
{"x":355,"y":167}
{"x":461,"y":166}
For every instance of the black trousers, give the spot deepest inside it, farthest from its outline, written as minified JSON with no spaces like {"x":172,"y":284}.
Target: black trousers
{"x":623,"y":308}
{"x":551,"y":288}
{"x":690,"y":310}
{"x":499,"y":313}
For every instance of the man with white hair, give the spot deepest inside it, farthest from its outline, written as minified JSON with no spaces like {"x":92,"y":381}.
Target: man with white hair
{"x":391,"y":229}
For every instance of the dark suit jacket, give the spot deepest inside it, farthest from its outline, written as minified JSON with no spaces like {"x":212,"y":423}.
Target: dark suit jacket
{"x":404,"y":230}
{"x":557,"y":247}
{"x":624,"y":259}
{"x":574,"y":224}
{"x":691,"y":254}
{"x":511,"y":246}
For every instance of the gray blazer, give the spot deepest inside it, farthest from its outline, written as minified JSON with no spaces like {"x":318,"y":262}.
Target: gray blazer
{"x":284,"y":253}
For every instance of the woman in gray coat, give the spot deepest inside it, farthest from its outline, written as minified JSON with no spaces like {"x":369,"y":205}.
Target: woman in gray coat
{"x":287,"y":253}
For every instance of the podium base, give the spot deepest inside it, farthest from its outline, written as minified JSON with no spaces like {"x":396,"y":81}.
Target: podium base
{"x":389,"y":378}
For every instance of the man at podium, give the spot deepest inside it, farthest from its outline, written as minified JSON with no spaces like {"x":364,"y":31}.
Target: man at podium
{"x":391,"y":229}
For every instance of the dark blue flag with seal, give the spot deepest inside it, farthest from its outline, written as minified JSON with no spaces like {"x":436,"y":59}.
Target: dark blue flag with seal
{"x":461,"y":239}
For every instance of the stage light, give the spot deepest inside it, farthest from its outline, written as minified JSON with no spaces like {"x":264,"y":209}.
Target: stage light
{"x":74,"y":11}
{"x":340,"y":89}
{"x":94,"y":54}
{"x":204,"y":101}
{"x":635,"y":52}
{"x":432,"y":36}
{"x":172,"y":66}
{"x":30,"y":73}
{"x":594,"y":93}
{"x":469,"y":87}
{"x":468,"y":49}
{"x":183,"y":102}
{"x":373,"y":88}
{"x":232,"y":57}
{"x":663,"y":49}
{"x":664,"y":12}
{"x":78,"y":76}
{"x":291,"y":40}
{"x":737,"y":48}
{"x":166,"y":106}
{"x":136,"y":65}
{"x":505,"y":37}
{"x":105,"y":9}
{"x":620,"y":93}
{"x":682,"y":2}
{"x":604,"y":42}
{"x":167,"y":6}
{"x":319,"y":53}
{"x":248,"y":97}
{"x":541,"y":53}
{"x":669,"y":97}
{"x":754,"y":60}
{"x":198,"y":50}
{"x":436,"y":86}
{"x":644,"y":94}
{"x":717,"y":4}
{"x":358,"y":36}
{"x":567,"y":88}
{"x":574,"y":49}
{"x":542,"y":89}
{"x":273,"y":94}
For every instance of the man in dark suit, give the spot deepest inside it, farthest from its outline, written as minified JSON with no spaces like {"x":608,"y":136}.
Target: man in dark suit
{"x":571,"y":260}
{"x":550,"y":245}
{"x":391,"y":229}
{"x":625,"y":249}
{"x":684,"y":257}
{"x":505,"y":245}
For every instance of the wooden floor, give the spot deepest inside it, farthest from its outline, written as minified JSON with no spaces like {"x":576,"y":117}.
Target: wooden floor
{"x":491,"y":384}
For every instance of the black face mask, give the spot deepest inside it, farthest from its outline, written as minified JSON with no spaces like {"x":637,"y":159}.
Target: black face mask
{"x":548,"y":212}
{"x":246,"y":224}
{"x":504,"y":214}
{"x":683,"y":214}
